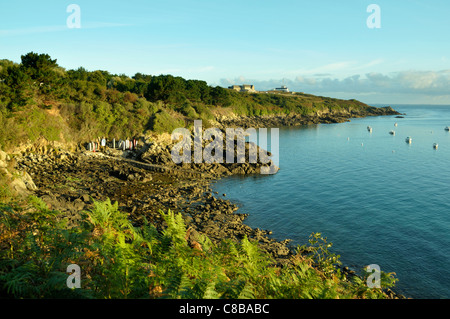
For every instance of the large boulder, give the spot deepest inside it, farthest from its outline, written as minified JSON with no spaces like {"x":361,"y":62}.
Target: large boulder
{"x":19,"y":181}
{"x":22,"y":183}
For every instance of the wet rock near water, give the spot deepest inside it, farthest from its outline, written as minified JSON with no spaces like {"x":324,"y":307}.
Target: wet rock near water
{"x":69,"y":182}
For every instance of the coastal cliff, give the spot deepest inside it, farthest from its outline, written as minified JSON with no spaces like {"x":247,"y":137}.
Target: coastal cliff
{"x":46,"y":130}
{"x":292,"y":120}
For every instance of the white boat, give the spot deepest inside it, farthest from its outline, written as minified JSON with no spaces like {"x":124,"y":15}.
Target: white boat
{"x":435,"y":146}
{"x":447,"y":128}
{"x":369,"y":129}
{"x":395,"y":124}
{"x":392,"y":132}
{"x":408,"y":140}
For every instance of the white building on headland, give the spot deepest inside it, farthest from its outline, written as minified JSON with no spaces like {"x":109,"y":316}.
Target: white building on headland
{"x":283,"y":88}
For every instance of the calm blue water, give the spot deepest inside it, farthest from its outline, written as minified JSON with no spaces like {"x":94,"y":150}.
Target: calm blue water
{"x":378,"y":199}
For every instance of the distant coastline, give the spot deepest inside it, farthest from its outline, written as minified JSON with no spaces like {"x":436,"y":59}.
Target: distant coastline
{"x":290,"y":120}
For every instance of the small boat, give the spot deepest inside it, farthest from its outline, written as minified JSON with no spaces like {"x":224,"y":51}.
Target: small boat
{"x":435,"y":146}
{"x":408,"y":140}
{"x":369,"y":129}
{"x":395,"y":124}
{"x":447,"y":128}
{"x":392,"y":132}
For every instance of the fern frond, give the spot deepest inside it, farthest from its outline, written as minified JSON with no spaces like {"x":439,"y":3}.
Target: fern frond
{"x":247,"y":291}
{"x":176,"y":228}
{"x":210,"y":291}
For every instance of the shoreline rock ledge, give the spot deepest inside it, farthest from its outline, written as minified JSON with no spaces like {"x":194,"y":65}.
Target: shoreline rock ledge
{"x":291,"y":120}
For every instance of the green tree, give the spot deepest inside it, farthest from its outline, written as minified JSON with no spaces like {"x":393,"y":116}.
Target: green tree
{"x":220,"y":96}
{"x":17,"y":87}
{"x":97,"y":77}
{"x":78,"y":74}
{"x":39,"y":67}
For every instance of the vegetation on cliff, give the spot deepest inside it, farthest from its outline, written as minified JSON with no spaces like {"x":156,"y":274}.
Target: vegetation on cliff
{"x":40,"y":98}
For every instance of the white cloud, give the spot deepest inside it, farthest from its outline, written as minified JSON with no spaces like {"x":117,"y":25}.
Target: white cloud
{"x":433,"y":85}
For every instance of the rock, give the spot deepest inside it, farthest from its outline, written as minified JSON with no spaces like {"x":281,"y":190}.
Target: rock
{"x":192,"y":235}
{"x":282,"y":250}
{"x":4,"y":158}
{"x":28,"y":181}
{"x":146,"y":178}
{"x":3,"y":155}
{"x":22,"y":183}
{"x":85,"y":198}
{"x":19,"y":186}
{"x":78,"y":204}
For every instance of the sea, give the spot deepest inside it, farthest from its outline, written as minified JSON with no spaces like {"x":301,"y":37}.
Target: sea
{"x":378,"y":199}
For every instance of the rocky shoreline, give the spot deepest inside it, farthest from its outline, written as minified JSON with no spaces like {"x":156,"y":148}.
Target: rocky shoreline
{"x":70,"y":180}
{"x":292,"y":120}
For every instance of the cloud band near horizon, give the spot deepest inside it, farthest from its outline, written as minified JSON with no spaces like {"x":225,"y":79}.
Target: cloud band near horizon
{"x":432,"y":86}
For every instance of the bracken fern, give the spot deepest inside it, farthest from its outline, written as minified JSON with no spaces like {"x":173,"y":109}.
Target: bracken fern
{"x":119,"y":260}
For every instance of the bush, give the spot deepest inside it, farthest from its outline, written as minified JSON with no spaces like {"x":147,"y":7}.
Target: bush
{"x":187,"y":110}
{"x":164,"y":122}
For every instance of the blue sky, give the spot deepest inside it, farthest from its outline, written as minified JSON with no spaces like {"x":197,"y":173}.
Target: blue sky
{"x":321,"y":47}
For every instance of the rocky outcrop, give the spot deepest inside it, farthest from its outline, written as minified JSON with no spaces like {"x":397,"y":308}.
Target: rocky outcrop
{"x":160,"y":153}
{"x":19,"y":181}
{"x":3,"y":159}
{"x":156,"y":153}
{"x":285,"y":120}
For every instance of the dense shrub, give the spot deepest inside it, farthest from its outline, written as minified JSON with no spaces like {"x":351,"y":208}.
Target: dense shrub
{"x":164,"y":122}
{"x":97,"y":103}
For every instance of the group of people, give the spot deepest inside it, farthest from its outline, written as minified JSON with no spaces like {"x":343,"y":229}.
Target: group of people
{"x":100,"y":144}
